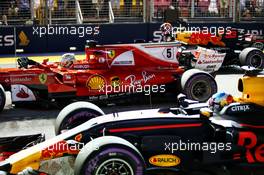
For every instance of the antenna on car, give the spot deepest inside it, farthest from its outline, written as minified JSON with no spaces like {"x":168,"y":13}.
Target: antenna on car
{"x":114,"y":111}
{"x":251,"y":71}
{"x":104,"y":132}
{"x":150,"y":100}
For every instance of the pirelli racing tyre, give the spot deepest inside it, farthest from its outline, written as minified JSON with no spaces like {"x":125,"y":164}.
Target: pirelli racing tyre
{"x":252,"y":57}
{"x":76,"y":114}
{"x":198,"y":85}
{"x":2,"y":98}
{"x":113,"y":158}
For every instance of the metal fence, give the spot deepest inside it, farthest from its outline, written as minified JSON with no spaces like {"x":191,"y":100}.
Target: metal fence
{"x":14,"y":12}
{"x":17,"y":12}
{"x":123,"y":10}
{"x":252,"y":9}
{"x":212,"y":9}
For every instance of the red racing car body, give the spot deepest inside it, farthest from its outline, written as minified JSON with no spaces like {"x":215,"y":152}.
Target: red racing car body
{"x":114,"y":69}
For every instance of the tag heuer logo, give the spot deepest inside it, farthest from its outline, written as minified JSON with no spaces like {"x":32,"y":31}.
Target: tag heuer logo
{"x":24,"y":41}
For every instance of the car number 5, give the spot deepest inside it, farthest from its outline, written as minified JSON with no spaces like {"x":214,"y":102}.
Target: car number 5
{"x":168,"y":53}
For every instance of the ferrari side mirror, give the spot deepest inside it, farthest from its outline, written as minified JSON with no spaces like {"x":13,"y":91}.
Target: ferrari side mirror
{"x":181,"y":97}
{"x":182,"y":100}
{"x":91,"y":43}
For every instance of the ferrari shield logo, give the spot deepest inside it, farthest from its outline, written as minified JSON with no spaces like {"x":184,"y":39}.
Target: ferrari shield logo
{"x":111,"y":53}
{"x":43,"y":78}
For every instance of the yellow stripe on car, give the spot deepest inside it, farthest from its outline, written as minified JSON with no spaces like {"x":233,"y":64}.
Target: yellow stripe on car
{"x":32,"y":161}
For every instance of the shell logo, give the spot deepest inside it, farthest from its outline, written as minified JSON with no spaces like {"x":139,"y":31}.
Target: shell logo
{"x":95,"y":82}
{"x":165,"y":160}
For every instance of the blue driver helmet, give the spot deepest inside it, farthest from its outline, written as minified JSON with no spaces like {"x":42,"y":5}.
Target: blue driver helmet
{"x":219,"y":100}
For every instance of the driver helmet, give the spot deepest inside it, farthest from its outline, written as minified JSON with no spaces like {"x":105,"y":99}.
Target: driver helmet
{"x":67,"y":60}
{"x":220,"y":100}
{"x":166,"y":28}
{"x":166,"y":31}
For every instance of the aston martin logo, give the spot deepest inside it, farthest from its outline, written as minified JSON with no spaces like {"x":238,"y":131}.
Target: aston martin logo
{"x":43,"y":78}
{"x":24,"y":41}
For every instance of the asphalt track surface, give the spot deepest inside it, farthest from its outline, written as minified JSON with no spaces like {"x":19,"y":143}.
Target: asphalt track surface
{"x":22,"y":121}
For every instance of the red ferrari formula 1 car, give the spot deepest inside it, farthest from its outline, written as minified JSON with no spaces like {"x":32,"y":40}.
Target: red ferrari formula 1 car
{"x":114,"y":70}
{"x":221,"y":137}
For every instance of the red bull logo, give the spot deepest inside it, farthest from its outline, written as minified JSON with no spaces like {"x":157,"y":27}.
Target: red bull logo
{"x":254,"y":151}
{"x":70,"y":147}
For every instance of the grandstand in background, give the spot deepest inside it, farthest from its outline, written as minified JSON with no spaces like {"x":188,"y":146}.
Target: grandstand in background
{"x":28,"y":12}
